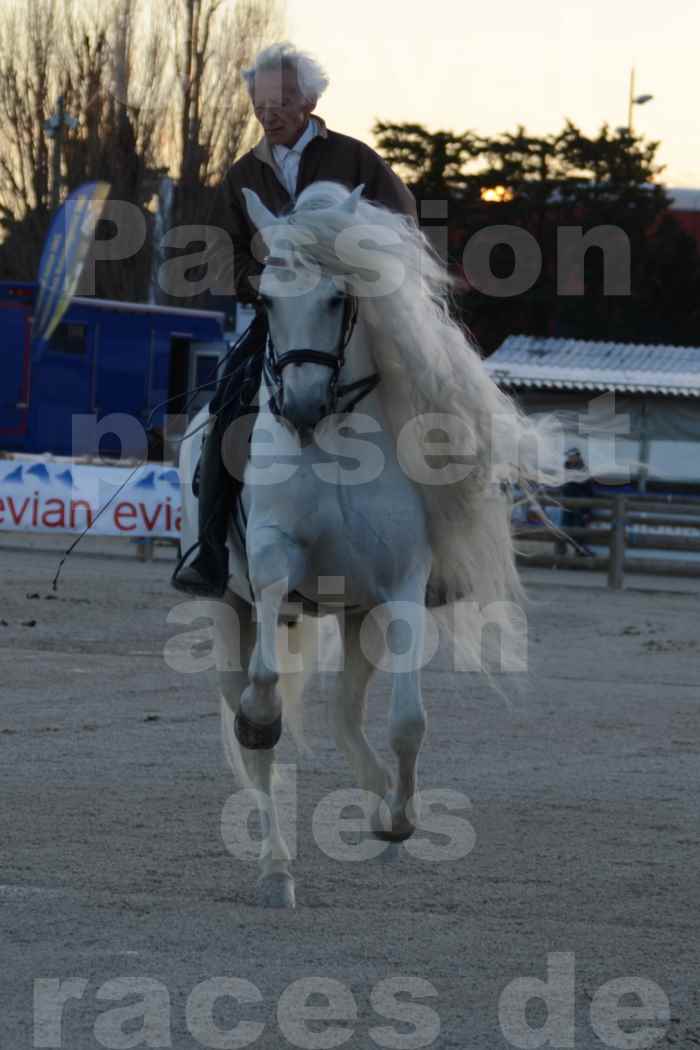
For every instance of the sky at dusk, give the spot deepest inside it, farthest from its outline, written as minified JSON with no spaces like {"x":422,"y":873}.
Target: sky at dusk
{"x":488,"y":67}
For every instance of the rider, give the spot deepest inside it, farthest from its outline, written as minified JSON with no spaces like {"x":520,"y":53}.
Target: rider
{"x":297,"y":149}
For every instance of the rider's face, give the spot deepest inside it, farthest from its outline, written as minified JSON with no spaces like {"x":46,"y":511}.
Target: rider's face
{"x":280,"y":107}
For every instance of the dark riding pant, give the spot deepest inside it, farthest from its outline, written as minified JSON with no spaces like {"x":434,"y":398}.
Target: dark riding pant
{"x":223,"y":461}
{"x":218,"y":485}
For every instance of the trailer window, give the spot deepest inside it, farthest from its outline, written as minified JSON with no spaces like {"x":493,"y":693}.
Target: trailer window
{"x":177,"y":385}
{"x":206,"y":371}
{"x":70,"y":338}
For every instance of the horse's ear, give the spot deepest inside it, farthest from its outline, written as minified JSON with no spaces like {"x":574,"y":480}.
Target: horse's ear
{"x":351,"y":203}
{"x":259,"y":214}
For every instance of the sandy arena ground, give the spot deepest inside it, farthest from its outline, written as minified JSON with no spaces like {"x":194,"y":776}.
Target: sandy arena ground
{"x":583,"y":808}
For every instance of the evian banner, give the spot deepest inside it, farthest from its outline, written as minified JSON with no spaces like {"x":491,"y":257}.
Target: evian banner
{"x":66,"y":497}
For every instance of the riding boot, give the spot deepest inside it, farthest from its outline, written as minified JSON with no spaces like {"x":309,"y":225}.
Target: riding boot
{"x":207,"y":575}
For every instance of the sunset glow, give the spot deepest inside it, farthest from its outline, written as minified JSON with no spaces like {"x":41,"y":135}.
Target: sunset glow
{"x":452,"y":66}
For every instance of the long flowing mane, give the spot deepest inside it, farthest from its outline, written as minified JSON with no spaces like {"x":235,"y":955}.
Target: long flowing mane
{"x":431,"y":368}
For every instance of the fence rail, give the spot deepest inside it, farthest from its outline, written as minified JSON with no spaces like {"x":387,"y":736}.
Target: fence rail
{"x":616,"y":515}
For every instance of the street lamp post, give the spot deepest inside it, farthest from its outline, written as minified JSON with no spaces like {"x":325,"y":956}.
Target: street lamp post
{"x":54,"y":128}
{"x":634,"y":100}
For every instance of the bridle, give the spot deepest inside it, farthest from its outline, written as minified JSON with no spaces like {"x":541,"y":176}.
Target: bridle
{"x":274,"y":365}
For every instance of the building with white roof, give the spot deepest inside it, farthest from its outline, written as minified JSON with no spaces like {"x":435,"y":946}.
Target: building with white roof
{"x":656,"y":392}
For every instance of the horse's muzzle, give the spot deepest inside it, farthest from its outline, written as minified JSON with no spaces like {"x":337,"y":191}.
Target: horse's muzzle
{"x":305,"y":415}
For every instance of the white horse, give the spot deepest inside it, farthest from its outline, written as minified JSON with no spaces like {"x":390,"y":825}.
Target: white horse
{"x":346,"y":505}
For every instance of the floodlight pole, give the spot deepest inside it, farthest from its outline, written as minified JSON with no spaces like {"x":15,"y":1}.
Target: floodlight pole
{"x":54,"y":128}
{"x":634,"y":100}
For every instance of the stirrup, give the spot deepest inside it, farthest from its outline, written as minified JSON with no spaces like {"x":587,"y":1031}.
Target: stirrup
{"x":183,"y":557}
{"x":203,"y":585}
{"x":198,"y":586}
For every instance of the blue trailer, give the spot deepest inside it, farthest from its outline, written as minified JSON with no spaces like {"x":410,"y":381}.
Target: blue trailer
{"x":104,"y":357}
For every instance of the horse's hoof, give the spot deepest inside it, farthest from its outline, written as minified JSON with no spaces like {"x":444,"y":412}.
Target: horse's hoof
{"x":391,"y":835}
{"x":393,"y":821}
{"x":391,"y":829}
{"x":276,"y":891}
{"x":391,"y":853}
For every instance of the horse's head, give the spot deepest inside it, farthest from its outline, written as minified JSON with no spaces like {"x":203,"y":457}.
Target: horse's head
{"x":310,"y":316}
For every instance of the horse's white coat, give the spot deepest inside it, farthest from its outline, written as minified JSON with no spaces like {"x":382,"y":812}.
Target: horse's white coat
{"x":343,"y":525}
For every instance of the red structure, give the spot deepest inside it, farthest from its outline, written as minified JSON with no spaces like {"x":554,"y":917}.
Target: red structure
{"x":685,"y":208}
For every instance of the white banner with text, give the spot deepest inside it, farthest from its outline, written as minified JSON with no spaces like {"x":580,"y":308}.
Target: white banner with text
{"x":67,"y":497}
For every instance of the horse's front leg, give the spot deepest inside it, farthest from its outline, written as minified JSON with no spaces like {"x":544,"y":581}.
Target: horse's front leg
{"x":361,"y":657}
{"x":275,"y":568}
{"x":405,"y":633}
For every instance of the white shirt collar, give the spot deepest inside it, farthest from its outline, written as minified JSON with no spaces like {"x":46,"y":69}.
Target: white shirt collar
{"x":310,"y":132}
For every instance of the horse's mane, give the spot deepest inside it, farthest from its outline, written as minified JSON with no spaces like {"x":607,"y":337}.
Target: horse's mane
{"x":430,"y":366}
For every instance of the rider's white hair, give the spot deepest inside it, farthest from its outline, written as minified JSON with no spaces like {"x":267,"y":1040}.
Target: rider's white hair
{"x":311,"y":76}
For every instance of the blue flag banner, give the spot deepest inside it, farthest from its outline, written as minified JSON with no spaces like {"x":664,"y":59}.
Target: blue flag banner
{"x":63,"y":257}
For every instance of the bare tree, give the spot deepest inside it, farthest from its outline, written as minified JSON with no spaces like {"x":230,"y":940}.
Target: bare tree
{"x":102,"y":83}
{"x":156,"y":88}
{"x":213,"y":41}
{"x":27,"y":84}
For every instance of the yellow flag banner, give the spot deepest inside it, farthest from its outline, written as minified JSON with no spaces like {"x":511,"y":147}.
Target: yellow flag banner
{"x":66,"y":248}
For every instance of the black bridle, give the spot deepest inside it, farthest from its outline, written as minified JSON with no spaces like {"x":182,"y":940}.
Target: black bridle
{"x":274,"y":365}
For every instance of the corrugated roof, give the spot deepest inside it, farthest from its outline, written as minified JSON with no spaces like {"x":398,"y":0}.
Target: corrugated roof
{"x":579,"y":364}
{"x":684,"y":199}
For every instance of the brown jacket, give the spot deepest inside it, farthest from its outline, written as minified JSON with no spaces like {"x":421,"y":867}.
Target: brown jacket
{"x":329,"y":156}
